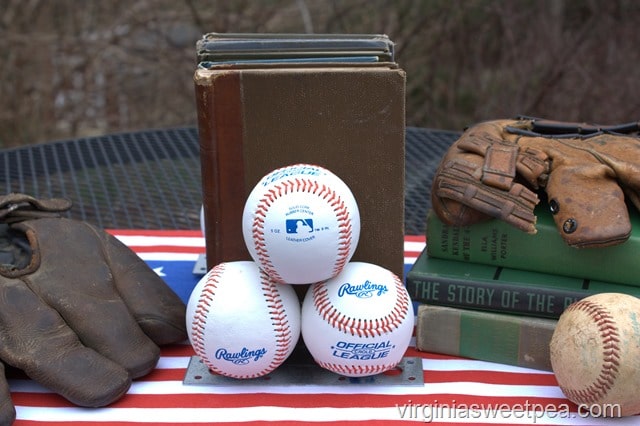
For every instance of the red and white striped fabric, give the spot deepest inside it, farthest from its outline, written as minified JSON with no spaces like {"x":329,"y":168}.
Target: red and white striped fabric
{"x":456,"y":390}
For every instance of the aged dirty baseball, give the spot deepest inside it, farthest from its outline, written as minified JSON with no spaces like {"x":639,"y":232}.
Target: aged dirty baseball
{"x":595,"y":353}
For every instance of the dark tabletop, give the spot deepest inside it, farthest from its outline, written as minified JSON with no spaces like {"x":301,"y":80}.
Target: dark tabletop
{"x":151,"y":179}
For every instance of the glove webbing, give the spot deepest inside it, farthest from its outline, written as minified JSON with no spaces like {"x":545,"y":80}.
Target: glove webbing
{"x":455,"y":183}
{"x":15,"y":251}
{"x":560,"y":129}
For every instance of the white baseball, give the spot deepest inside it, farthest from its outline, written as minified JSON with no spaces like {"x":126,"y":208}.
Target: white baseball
{"x":595,"y":354}
{"x":241,"y":323}
{"x":359,"y":323}
{"x":301,"y":224}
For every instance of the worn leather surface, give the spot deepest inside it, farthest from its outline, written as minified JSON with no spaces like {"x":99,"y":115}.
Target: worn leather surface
{"x":85,"y":315}
{"x":499,"y":169}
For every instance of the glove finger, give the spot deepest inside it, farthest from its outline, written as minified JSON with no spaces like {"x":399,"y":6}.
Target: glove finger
{"x":585,"y":220}
{"x":503,"y":158}
{"x":36,"y":339}
{"x":7,"y":410}
{"x":456,"y":182}
{"x":619,"y":152}
{"x":156,"y":307}
{"x":79,"y":285}
{"x":103,"y":322}
{"x":533,"y":166}
{"x":499,"y":167}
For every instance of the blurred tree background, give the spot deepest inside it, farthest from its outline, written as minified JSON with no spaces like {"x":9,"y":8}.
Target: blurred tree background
{"x":73,"y":68}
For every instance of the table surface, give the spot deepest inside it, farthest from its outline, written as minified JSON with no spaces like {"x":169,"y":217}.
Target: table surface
{"x":151,"y":179}
{"x":145,"y":188}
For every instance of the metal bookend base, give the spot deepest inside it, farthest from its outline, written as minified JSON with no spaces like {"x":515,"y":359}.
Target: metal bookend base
{"x":407,"y":373}
{"x":200,"y":267}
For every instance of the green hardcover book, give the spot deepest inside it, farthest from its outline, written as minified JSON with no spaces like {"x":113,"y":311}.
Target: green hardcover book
{"x":497,"y":243}
{"x":507,"y":339}
{"x":475,"y":286}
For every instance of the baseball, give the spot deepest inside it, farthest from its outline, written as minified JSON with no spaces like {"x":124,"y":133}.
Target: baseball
{"x":358,"y":323}
{"x":241,"y":323}
{"x":595,"y":353}
{"x":301,"y":224}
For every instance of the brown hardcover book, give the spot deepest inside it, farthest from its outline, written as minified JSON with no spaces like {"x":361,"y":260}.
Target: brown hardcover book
{"x":349,"y":118}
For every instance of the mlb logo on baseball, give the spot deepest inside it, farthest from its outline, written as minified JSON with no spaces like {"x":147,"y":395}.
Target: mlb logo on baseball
{"x":301,"y":224}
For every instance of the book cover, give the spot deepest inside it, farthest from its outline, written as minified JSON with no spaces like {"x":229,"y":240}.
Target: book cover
{"x":474,"y":286}
{"x":280,"y":61}
{"x":242,"y":46}
{"x":507,"y":339}
{"x":349,"y":119}
{"x":497,"y":243}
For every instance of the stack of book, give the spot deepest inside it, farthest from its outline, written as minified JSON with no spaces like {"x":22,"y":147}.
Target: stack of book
{"x":266,"y":101}
{"x":492,"y":292}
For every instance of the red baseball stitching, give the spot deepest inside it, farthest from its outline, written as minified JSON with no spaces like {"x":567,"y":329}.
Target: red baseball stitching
{"x":279,"y":320}
{"x":199,"y":322}
{"x":301,"y":185}
{"x":358,"y":326}
{"x":611,"y":353}
{"x":356,"y":370}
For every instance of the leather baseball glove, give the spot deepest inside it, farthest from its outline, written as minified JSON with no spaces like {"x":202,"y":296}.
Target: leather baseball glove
{"x":80,"y":312}
{"x":498,"y":169}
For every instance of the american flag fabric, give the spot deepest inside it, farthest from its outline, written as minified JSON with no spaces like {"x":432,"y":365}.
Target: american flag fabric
{"x":455,"y":390}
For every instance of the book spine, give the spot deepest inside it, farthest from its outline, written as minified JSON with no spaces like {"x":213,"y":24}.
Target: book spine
{"x":497,"y":243}
{"x":220,"y":130}
{"x":498,"y":296}
{"x":507,"y":339}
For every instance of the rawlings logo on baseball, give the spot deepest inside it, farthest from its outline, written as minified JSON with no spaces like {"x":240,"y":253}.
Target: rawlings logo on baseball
{"x":362,"y":291}
{"x":241,"y":357}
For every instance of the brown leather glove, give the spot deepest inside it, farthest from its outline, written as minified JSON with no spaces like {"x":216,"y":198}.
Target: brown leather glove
{"x":496,"y":168}
{"x":80,"y":312}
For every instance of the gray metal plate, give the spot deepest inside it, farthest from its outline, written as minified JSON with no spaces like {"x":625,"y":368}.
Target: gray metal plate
{"x":200,"y":267}
{"x":408,"y":373}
